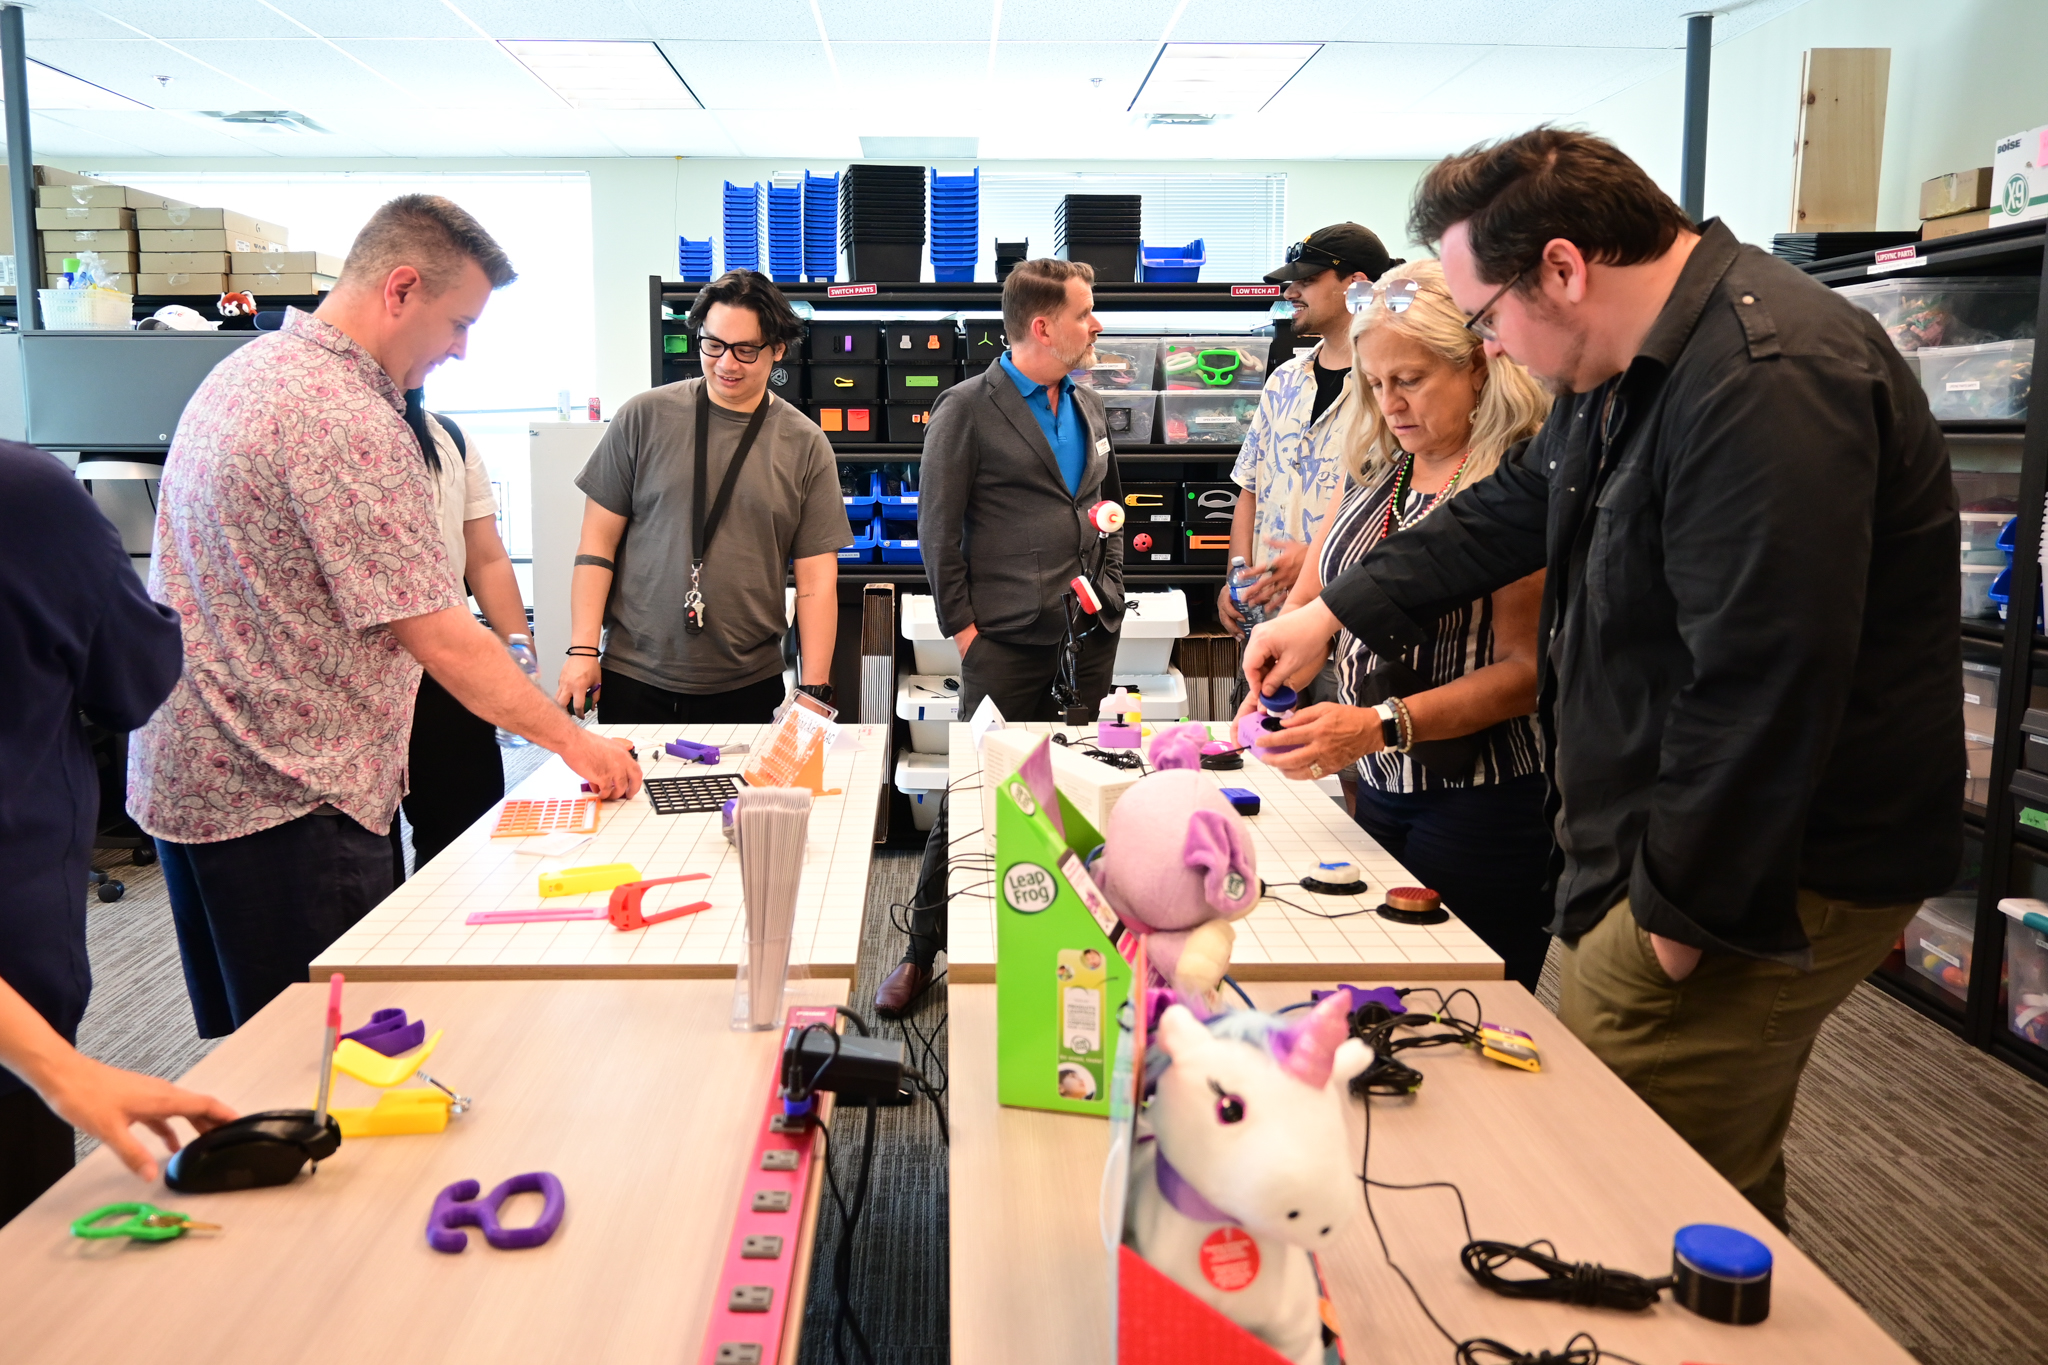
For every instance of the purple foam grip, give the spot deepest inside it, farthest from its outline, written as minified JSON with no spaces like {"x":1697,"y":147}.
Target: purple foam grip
{"x":388,"y":1033}
{"x":692,"y":751}
{"x":458,"y":1205}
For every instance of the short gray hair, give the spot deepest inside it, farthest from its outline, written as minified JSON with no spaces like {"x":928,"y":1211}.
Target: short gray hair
{"x":432,"y":235}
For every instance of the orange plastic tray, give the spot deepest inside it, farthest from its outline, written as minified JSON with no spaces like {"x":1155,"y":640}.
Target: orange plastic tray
{"x":574,"y":815}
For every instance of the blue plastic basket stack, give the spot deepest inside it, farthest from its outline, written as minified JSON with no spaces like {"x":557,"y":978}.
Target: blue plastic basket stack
{"x":956,"y":226}
{"x":1172,"y":264}
{"x":785,"y":233}
{"x":693,"y":259}
{"x":821,"y":227}
{"x":742,"y":226}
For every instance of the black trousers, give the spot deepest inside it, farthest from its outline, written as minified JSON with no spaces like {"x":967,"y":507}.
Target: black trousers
{"x":35,"y":1150}
{"x":1020,"y":677}
{"x":252,"y":912}
{"x":928,"y":902}
{"x":1486,"y":850}
{"x":628,"y":701}
{"x":455,"y":770}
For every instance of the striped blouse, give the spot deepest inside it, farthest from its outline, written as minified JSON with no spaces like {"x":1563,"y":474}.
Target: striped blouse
{"x":1460,"y":642}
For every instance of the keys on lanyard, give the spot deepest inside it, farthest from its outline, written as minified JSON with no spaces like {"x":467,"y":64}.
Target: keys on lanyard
{"x":693,"y":605}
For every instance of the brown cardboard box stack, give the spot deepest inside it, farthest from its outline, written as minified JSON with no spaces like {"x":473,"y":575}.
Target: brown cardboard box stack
{"x":1210,"y":663}
{"x":187,"y":250}
{"x":51,"y":176}
{"x":1957,"y":202}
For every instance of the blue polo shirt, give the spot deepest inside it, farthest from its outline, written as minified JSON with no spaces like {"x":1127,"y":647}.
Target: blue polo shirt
{"x":1065,"y":431}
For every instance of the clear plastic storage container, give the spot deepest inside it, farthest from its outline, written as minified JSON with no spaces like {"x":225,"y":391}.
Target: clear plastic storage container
{"x":1214,"y":362}
{"x":1200,"y":419}
{"x":930,"y":703}
{"x":1977,"y":581}
{"x":1917,"y":314}
{"x":1980,"y":536}
{"x":1938,"y":943}
{"x":1152,"y":622}
{"x":1130,"y":416}
{"x":922,"y":778}
{"x":1978,"y":383}
{"x":936,"y":653}
{"x":1122,"y":363}
{"x":2026,"y":969}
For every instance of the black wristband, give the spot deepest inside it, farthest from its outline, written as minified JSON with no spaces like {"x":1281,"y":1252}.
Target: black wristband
{"x":584,"y":652}
{"x":822,"y":691}
{"x":596,"y":562}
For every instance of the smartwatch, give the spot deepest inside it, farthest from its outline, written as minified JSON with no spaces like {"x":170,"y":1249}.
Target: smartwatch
{"x":1390,"y":725}
{"x":821,"y":691}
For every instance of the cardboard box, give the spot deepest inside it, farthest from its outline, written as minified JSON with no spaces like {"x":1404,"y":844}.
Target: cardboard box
{"x":1935,"y":228}
{"x":201,"y":239}
{"x":1956,"y":192}
{"x":181,"y":284}
{"x":222,"y":220}
{"x":187,"y":262}
{"x":122,"y":261}
{"x":87,"y":239}
{"x":298,"y":282}
{"x":44,"y":175}
{"x":2019,"y":182}
{"x":290,"y":263}
{"x":97,"y":196}
{"x":84,"y":219}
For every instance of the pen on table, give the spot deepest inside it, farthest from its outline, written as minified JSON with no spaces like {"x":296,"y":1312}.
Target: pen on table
{"x":333,"y":1038}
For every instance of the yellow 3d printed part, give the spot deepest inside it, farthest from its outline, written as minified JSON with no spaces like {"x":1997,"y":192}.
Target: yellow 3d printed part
{"x":574,"y":881}
{"x":396,"y":1114}
{"x":371,"y":1067}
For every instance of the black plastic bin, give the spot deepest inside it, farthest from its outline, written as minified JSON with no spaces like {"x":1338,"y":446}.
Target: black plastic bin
{"x":846,"y":383}
{"x":920,"y":383}
{"x":847,"y":422}
{"x":843,"y":341}
{"x":885,"y":262}
{"x":907,"y":422}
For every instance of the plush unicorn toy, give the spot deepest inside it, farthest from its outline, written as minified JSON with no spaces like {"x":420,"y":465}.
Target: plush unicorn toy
{"x":1177,"y":866}
{"x":1249,"y":1168}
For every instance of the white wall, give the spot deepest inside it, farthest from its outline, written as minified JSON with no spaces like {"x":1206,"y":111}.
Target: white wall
{"x":1963,"y":73}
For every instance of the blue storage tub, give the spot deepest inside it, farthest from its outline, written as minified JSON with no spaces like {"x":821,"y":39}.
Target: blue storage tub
{"x":693,"y":259}
{"x":862,"y":550}
{"x":861,"y":509}
{"x":742,"y":217}
{"x":1172,"y":264}
{"x":901,"y":552}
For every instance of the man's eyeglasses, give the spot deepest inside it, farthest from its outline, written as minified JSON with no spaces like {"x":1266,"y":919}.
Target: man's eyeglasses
{"x":1315,"y":255}
{"x":1397,"y":295}
{"x":1484,"y":329}
{"x":711,"y":348}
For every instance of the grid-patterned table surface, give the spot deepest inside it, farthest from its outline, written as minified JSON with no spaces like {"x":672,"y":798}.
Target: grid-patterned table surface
{"x":419,"y":933}
{"x":1297,"y":826}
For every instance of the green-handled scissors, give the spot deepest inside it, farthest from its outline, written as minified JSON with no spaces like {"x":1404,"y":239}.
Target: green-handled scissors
{"x":143,"y":1222}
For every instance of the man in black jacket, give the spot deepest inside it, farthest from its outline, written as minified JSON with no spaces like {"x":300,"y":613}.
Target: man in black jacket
{"x":1751,"y":641}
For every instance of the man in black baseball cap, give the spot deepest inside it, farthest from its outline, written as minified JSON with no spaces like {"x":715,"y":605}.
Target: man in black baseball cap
{"x":1289,"y":464}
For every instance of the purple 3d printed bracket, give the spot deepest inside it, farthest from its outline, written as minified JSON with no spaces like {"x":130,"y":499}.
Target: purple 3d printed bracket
{"x":388,"y":1033}
{"x":458,"y":1205}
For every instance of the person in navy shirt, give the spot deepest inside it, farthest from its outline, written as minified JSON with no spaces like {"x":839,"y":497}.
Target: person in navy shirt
{"x":83,"y":642}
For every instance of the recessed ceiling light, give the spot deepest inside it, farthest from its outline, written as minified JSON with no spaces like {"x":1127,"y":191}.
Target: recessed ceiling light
{"x":265,"y":120}
{"x":1225,"y":78}
{"x":1178,"y":120}
{"x":605,"y":75}
{"x":49,"y":88}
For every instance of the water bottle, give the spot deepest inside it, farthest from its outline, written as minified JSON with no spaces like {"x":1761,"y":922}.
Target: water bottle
{"x":1242,"y":578}
{"x":520,"y":647}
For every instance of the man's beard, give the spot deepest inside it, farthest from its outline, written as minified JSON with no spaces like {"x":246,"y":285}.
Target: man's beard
{"x":1079,"y":361}
{"x":1561,"y":385}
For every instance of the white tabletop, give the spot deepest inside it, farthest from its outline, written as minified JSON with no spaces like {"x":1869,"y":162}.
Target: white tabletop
{"x":419,"y":932}
{"x":1298,"y":826}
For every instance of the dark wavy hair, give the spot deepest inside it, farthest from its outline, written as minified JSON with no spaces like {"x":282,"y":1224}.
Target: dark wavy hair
{"x":752,"y":290}
{"x":1519,"y":194}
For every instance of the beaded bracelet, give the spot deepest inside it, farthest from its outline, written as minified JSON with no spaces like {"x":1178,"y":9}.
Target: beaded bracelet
{"x":1406,"y":723}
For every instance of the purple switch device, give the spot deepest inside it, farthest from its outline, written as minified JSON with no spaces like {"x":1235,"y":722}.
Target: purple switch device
{"x":388,"y":1033}
{"x":458,"y":1205}
{"x":1272,"y":706}
{"x":692,"y":751}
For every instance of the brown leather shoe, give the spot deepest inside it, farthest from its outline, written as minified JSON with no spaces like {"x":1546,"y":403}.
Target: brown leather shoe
{"x":901,"y":990}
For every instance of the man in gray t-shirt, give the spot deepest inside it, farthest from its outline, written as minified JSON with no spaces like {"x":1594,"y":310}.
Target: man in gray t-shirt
{"x":635,"y":561}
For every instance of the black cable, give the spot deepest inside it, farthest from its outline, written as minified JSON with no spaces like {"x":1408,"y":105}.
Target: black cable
{"x":1231,"y":982}
{"x":1319,"y":914}
{"x":858,"y":1022}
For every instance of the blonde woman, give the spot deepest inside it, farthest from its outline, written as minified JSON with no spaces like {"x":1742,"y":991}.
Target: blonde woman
{"x":1450,"y":768}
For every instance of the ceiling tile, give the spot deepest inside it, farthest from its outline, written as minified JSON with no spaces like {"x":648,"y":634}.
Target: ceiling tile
{"x":763,"y":75}
{"x":824,"y":145}
{"x":306,"y":73}
{"x":1552,"y":23}
{"x":907,"y":20}
{"x":1347,"y":79}
{"x":175,"y":19}
{"x":632,"y":19}
{"x":68,"y":19}
{"x":1080,"y":20}
{"x":1542,"y":81}
{"x":664,"y":132}
{"x":130,"y":67}
{"x":377,"y":18}
{"x":457,"y":74}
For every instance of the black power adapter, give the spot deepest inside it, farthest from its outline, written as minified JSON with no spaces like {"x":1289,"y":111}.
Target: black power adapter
{"x":858,"y":1069}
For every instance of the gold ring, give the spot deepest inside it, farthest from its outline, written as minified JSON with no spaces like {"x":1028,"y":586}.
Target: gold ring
{"x":1315,"y":770}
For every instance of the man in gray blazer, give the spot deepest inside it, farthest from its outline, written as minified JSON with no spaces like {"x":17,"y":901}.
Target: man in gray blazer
{"x":1013,"y":460}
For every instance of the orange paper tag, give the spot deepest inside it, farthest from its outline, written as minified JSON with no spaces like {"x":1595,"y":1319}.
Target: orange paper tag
{"x":1230,"y":1259}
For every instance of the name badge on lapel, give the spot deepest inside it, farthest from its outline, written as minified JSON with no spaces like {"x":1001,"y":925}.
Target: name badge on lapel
{"x":1102,"y":446}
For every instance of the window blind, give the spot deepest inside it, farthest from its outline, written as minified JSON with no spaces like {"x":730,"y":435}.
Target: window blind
{"x":1242,"y":219}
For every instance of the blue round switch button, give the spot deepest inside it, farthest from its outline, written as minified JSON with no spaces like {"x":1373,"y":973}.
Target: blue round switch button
{"x":1721,"y":1274}
{"x":1724,"y":1253}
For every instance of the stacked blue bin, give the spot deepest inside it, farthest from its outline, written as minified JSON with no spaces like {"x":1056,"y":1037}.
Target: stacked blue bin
{"x":693,"y":259}
{"x":1172,"y":264}
{"x":785,"y":233}
{"x":896,"y":519}
{"x":742,"y":226}
{"x":2001,"y":586}
{"x":956,"y":226}
{"x":821,"y":227}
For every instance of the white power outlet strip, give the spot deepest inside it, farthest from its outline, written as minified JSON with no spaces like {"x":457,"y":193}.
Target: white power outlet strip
{"x":1092,"y":786}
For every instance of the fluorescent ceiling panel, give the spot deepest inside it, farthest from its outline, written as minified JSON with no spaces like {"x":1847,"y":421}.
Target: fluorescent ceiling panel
{"x":49,"y":88}
{"x":604,"y":75}
{"x":920,"y":148}
{"x":1219,"y":78}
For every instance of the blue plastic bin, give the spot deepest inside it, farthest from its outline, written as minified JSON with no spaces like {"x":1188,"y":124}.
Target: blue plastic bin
{"x":1172,"y":264}
{"x":742,"y":216}
{"x":693,"y":260}
{"x":861,"y":510}
{"x":901,"y":552}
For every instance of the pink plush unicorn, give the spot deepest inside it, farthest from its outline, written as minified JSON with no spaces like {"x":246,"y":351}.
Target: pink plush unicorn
{"x":1177,"y":866}
{"x":1249,"y":1167}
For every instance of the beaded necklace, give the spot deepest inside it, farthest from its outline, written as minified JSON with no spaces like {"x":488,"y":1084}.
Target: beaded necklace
{"x":1395,"y":519}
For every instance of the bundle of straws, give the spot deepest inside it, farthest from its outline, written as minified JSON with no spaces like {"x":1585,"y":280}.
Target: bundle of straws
{"x":770,"y":825}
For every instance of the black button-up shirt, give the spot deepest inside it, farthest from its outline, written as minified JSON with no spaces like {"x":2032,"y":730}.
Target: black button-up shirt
{"x":1750,"y":623}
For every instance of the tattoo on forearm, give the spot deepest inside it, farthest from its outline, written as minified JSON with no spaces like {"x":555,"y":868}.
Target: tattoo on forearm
{"x":594,"y":561}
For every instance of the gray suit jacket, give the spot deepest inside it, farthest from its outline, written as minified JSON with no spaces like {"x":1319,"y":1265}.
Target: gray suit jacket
{"x":1001,"y":536}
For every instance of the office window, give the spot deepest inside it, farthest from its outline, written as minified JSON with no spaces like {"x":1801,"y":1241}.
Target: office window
{"x":1242,"y":219}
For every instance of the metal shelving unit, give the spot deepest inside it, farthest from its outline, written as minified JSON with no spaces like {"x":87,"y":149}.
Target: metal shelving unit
{"x":2009,"y":859}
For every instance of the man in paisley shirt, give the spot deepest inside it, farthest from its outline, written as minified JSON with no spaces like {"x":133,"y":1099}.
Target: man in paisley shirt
{"x":297,"y":540}
{"x":1289,"y":465}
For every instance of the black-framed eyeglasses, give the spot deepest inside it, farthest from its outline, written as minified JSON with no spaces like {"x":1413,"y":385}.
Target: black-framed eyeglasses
{"x":711,"y":348}
{"x":1320,"y":257}
{"x":1484,"y":330}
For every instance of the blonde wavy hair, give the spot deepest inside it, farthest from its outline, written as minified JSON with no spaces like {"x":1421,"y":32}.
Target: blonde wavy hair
{"x":1512,"y":405}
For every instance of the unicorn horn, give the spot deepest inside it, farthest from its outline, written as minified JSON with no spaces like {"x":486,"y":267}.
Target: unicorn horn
{"x":1311,"y":1045}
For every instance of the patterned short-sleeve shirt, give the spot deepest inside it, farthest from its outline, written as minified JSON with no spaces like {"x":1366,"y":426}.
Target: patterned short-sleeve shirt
{"x":1290,"y":459}
{"x":294,"y":522}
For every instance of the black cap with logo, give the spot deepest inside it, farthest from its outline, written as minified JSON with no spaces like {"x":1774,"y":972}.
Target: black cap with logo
{"x":1344,"y":247}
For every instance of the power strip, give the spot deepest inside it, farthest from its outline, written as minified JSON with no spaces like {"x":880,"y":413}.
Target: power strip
{"x":1092,"y":786}
{"x":753,"y":1317}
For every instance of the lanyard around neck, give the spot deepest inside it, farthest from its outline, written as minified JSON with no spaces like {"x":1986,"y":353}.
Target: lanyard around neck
{"x":701,"y":528}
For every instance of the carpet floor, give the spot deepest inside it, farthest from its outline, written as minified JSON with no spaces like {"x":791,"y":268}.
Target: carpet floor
{"x":1915,"y":1161}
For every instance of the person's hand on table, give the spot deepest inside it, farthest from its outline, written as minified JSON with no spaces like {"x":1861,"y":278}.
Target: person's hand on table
{"x":1277,"y":574}
{"x":106,"y":1102}
{"x":606,"y":764}
{"x":1677,"y":959}
{"x":1226,"y":612}
{"x":1295,"y":645}
{"x":580,"y":673}
{"x":1331,"y":737}
{"x":964,"y":639}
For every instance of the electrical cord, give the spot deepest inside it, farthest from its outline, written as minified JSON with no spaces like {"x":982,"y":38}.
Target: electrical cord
{"x":1266,"y":893}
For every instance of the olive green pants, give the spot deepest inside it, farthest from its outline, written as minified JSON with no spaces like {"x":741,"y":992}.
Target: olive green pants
{"x":1719,"y":1055}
